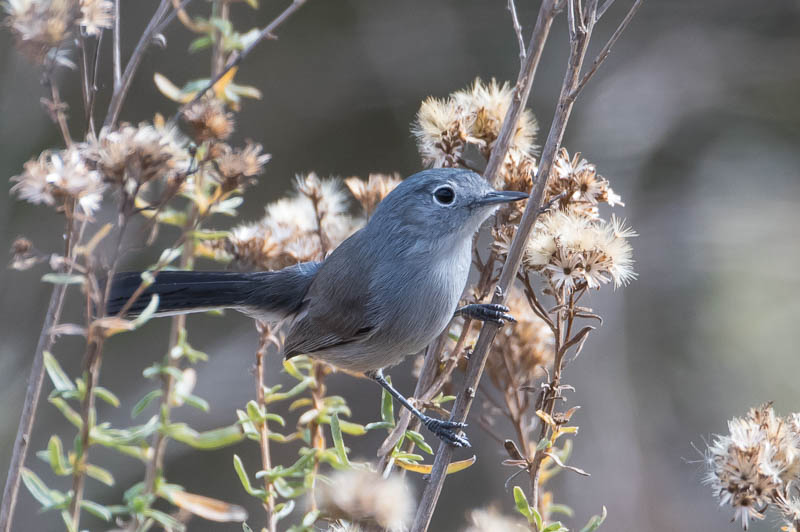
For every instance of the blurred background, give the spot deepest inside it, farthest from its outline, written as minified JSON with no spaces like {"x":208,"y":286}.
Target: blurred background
{"x":695,"y":120}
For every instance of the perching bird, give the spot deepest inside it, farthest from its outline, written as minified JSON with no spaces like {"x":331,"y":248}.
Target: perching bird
{"x":385,"y":293}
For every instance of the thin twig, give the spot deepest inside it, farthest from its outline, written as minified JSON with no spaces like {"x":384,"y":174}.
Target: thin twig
{"x":133,"y":64}
{"x":236,"y":59}
{"x":607,"y":48}
{"x":263,"y":432}
{"x":580,"y":34}
{"x":603,"y":8}
{"x":117,"y":57}
{"x":93,"y":85}
{"x":517,"y":29}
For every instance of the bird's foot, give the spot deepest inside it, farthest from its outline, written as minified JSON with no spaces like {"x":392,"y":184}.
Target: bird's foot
{"x":486,"y":312}
{"x":447,"y":431}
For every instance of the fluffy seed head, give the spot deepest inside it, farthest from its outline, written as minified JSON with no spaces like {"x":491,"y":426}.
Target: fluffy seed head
{"x":59,"y":175}
{"x":209,"y":120}
{"x":236,"y":167}
{"x":40,"y":26}
{"x":490,"y":520}
{"x":96,"y":15}
{"x":371,"y":192}
{"x":366,"y":497}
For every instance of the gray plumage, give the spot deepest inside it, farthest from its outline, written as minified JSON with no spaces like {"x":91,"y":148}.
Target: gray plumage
{"x":384,"y":293}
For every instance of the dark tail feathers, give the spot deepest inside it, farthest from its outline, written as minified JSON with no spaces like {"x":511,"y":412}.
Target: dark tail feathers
{"x":260,"y":293}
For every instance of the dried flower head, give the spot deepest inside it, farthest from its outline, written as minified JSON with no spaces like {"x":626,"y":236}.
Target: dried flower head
{"x":40,"y":26}
{"x":96,"y":15}
{"x":574,"y":251}
{"x":439,"y":129}
{"x":755,"y":465}
{"x":209,"y":119}
{"x":490,"y":520}
{"x":474,"y":116}
{"x":56,"y":176}
{"x":236,"y":167}
{"x":371,"y":192}
{"x":486,"y":105}
{"x":579,"y":185}
{"x":366,"y":497}
{"x":131,"y":156}
{"x":520,"y":352}
{"x":300,"y":228}
{"x":24,"y":255}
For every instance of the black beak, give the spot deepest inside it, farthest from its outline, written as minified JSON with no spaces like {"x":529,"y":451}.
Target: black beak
{"x":501,"y":196}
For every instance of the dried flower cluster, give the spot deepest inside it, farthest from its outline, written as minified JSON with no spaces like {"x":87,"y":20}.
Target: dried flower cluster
{"x":359,"y":496}
{"x":209,"y":119}
{"x":371,"y":192}
{"x":445,"y":127}
{"x":299,"y":228}
{"x":576,"y":185}
{"x":43,"y":27}
{"x":57,"y":176}
{"x":131,"y":156}
{"x":236,"y":167}
{"x":757,"y":466}
{"x":490,"y":520}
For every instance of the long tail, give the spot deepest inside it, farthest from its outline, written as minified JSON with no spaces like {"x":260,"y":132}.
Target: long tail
{"x":271,"y":295}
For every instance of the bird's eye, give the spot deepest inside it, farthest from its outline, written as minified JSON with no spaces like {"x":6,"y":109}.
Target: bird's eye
{"x":444,"y":195}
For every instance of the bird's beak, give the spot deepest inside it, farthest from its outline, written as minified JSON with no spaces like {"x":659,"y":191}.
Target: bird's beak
{"x":501,"y":196}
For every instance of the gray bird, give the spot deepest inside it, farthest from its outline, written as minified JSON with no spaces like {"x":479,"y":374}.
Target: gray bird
{"x":385,"y":293}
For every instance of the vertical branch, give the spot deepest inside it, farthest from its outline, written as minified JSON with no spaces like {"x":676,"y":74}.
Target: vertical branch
{"x":266,"y":459}
{"x":579,"y":39}
{"x":117,"y":55}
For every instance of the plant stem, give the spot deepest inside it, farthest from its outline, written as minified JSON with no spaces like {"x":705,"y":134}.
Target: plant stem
{"x":266,"y":458}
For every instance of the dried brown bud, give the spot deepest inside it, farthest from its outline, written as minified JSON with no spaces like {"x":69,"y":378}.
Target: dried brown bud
{"x":209,"y":120}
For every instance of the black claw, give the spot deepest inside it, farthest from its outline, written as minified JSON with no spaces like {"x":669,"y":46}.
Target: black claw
{"x":444,"y":430}
{"x":488,"y":312}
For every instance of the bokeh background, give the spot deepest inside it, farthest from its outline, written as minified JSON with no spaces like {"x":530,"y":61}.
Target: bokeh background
{"x":695,"y":119}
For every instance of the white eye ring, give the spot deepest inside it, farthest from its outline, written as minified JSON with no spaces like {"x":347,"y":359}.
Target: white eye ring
{"x":444,"y":195}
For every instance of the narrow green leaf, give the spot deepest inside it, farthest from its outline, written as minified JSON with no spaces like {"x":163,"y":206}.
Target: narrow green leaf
{"x":543,"y":444}
{"x":63,"y":278}
{"x":555,"y":527}
{"x":37,"y":488}
{"x":106,"y":395}
{"x":283,"y":510}
{"x":338,"y":442}
{"x":562,"y":509}
{"x":200,"y":43}
{"x":595,"y":522}
{"x":277,"y":419}
{"x":197,"y":402}
{"x":165,"y":520}
{"x":378,"y":425}
{"x":387,"y":406}
{"x":56,"y":458}
{"x":419,"y":440}
{"x":139,"y":407}
{"x":244,"y":479}
{"x":522,"y":505}
{"x":58,"y":376}
{"x":147,"y":313}
{"x":97,"y":510}
{"x":67,"y":411}
{"x":210,"y":439}
{"x":246,"y":528}
{"x":100,"y":474}
{"x":310,"y":518}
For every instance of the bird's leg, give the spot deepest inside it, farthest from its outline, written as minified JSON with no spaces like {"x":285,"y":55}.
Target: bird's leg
{"x":445,"y":430}
{"x":486,"y":312}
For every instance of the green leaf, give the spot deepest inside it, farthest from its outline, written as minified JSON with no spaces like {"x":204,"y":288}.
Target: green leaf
{"x":284,"y":509}
{"x":595,"y":522}
{"x":197,"y":402}
{"x":106,"y":395}
{"x":46,"y":497}
{"x":407,"y":456}
{"x":246,"y":528}
{"x":419,"y":440}
{"x":200,"y":43}
{"x":277,"y":419}
{"x":310,"y":518}
{"x":165,"y":520}
{"x":63,"y":278}
{"x":58,"y":376}
{"x":97,"y":510}
{"x":244,"y":479}
{"x":338,"y":442}
{"x":530,"y":513}
{"x":543,"y":444}
{"x":555,"y":527}
{"x":100,"y":474}
{"x":387,"y":406}
{"x":55,"y":454}
{"x":139,"y":407}
{"x":378,"y":425}
{"x":67,"y":411}
{"x":210,"y":439}
{"x":562,"y":509}
{"x":147,"y":313}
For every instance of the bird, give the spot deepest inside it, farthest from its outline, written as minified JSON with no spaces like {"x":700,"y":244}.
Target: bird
{"x":383,"y":294}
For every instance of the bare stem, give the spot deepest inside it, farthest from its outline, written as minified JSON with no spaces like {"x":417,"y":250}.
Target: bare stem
{"x":266,"y":457}
{"x":517,"y":29}
{"x":579,"y":38}
{"x":117,"y":57}
{"x":133,"y":64}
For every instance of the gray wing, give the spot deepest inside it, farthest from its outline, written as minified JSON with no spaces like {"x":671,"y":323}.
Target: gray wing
{"x":336,"y":308}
